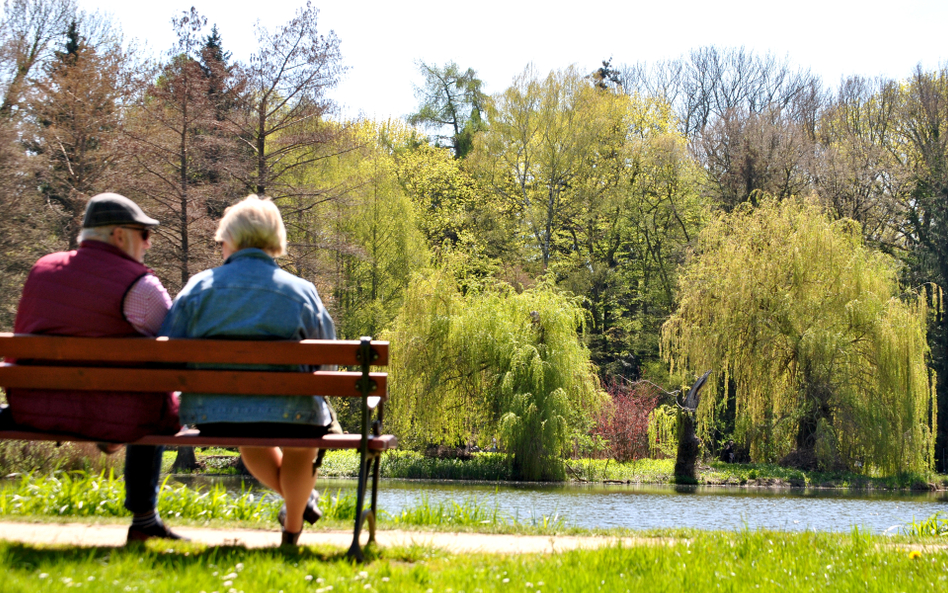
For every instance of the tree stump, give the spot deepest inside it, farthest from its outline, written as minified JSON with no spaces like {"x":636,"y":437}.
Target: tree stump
{"x":688,"y":444}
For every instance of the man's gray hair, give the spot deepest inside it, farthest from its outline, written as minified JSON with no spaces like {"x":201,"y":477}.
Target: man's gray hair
{"x":97,"y":233}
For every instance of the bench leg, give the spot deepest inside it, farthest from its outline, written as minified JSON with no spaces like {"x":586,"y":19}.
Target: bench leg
{"x":355,"y":550}
{"x":377,"y":462}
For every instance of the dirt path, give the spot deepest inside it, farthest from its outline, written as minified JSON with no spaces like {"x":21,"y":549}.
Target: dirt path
{"x":83,"y":534}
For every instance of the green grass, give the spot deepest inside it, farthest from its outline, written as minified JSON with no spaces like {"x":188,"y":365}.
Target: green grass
{"x":744,"y":561}
{"x":80,"y":494}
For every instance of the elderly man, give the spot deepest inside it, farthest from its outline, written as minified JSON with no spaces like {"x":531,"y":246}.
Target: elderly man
{"x":103,"y":289}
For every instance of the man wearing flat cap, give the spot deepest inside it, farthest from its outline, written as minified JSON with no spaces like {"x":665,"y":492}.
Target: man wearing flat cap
{"x":103,"y":289}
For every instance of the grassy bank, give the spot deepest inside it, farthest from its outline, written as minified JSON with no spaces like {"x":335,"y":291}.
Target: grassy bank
{"x":19,"y":457}
{"x":79,"y":494}
{"x":745,"y":561}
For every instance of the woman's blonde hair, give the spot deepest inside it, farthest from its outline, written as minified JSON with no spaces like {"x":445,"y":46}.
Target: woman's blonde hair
{"x":253,"y":222}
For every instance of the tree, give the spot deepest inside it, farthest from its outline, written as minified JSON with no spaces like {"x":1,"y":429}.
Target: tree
{"x":923,"y":126}
{"x":450,"y":99}
{"x":825,"y":351}
{"x":492,"y":362}
{"x":856,"y":172}
{"x":170,"y":147}
{"x":29,"y":32}
{"x":77,"y":111}
{"x":282,"y":119}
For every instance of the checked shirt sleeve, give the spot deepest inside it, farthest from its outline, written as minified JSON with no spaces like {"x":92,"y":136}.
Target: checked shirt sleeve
{"x":146,"y":305}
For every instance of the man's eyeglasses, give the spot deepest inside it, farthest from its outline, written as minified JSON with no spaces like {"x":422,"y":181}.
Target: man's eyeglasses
{"x":144,"y":232}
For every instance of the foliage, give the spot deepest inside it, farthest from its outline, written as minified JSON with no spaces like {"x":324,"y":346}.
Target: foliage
{"x":936,"y":525}
{"x":491,"y":362}
{"x":825,"y":351}
{"x":604,"y":194}
{"x":450,"y":99}
{"x":623,"y":422}
{"x":663,"y":431}
{"x":25,"y":457}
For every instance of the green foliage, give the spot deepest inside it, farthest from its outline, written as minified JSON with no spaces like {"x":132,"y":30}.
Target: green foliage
{"x":824,"y":349}
{"x":453,"y":100}
{"x":663,"y":431}
{"x":936,"y":525}
{"x":491,"y":362}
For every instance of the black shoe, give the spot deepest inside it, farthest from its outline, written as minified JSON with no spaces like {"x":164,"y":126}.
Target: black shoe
{"x":311,"y":513}
{"x":141,"y":534}
{"x":290,"y":538}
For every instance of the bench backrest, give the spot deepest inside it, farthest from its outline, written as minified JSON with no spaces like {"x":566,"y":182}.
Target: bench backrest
{"x":135,"y":364}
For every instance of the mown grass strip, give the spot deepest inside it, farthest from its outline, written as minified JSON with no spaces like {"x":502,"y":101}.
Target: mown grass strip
{"x":743,"y":561}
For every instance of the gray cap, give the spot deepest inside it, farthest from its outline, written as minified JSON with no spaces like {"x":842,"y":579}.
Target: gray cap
{"x":113,"y":209}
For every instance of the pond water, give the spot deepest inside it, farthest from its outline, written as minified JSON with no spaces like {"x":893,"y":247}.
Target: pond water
{"x":648,"y":506}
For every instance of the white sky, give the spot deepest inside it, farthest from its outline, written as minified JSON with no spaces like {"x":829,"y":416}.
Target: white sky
{"x":382,"y":39}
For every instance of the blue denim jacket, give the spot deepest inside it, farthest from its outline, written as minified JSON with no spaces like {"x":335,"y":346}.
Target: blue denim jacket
{"x":249,"y":296}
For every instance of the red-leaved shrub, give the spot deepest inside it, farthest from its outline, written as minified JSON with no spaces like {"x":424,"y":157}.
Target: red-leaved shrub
{"x":623,"y":421}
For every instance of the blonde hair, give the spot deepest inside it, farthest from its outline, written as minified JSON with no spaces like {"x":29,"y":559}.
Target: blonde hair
{"x":253,"y":222}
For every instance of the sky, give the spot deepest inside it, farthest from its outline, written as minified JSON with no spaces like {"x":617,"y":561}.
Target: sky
{"x":382,"y":40}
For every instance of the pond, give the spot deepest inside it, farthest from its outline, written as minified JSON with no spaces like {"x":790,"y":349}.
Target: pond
{"x":649,"y":506}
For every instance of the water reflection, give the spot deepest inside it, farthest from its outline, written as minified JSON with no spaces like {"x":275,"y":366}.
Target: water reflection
{"x":650,"y":506}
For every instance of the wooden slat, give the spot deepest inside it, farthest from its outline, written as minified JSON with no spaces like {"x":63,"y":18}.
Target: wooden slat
{"x":165,"y":350}
{"x":341,"y":384}
{"x":192,"y":438}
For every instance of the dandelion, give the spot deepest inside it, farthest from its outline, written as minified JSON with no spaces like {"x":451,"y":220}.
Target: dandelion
{"x":915,"y":554}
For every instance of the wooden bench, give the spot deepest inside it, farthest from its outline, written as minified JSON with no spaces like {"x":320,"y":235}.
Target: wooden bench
{"x":58,"y":362}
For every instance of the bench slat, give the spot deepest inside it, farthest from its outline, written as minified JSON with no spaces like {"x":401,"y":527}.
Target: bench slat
{"x":191,"y":438}
{"x":342,"y":384}
{"x":313,"y":352}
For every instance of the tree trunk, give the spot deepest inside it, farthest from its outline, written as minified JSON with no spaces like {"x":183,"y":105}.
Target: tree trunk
{"x":186,"y":461}
{"x":688,"y":447}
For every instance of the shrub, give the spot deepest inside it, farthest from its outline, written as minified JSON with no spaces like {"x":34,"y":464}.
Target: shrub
{"x":622,"y":423}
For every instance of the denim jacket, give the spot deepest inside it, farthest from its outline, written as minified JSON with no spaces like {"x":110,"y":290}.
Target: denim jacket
{"x":249,"y":296}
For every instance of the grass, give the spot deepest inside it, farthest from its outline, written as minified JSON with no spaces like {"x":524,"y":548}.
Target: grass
{"x":80,"y":494}
{"x":743,"y":561}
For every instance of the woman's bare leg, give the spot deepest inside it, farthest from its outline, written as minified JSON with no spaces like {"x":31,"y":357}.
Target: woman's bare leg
{"x":289,"y":473}
{"x":264,"y":464}
{"x":297,"y":479}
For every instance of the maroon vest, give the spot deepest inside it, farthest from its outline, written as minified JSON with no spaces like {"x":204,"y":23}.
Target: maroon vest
{"x":81,"y":293}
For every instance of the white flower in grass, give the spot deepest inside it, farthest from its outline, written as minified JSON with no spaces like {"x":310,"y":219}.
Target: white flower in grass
{"x":320,"y":580}
{"x":308,"y":577}
{"x":230,"y":576}
{"x":505,"y":581}
{"x":240,"y":566}
{"x":43,"y":575}
{"x":228,"y":583}
{"x":528,"y":585}
{"x":384,"y":579}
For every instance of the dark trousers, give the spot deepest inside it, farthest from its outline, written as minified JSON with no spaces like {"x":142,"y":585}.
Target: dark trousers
{"x":142,"y":474}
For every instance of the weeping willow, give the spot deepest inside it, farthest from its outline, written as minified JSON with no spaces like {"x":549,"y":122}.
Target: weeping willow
{"x":824,"y":351}
{"x":492,"y":363}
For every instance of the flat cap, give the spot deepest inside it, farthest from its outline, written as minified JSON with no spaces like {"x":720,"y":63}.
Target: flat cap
{"x":114,"y":209}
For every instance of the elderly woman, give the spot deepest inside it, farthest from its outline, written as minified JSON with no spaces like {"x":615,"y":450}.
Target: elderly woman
{"x":249,"y":295}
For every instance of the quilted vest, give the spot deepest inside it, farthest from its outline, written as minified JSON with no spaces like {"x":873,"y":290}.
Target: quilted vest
{"x":81,"y":293}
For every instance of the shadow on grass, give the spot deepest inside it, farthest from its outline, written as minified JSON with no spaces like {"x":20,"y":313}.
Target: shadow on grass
{"x":179,"y":556}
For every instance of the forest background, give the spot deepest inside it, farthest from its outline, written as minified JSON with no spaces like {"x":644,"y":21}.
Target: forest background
{"x":534,"y":254}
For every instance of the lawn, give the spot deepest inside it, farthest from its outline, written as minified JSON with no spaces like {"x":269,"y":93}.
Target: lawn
{"x":744,"y":561}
